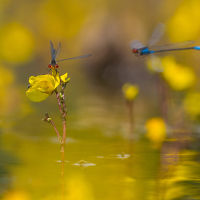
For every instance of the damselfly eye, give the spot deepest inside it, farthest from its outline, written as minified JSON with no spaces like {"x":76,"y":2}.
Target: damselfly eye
{"x":49,"y":66}
{"x":134,"y":50}
{"x":56,"y":66}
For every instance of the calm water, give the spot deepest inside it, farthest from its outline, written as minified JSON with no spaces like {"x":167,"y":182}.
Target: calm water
{"x":101,"y":168}
{"x":30,"y":166}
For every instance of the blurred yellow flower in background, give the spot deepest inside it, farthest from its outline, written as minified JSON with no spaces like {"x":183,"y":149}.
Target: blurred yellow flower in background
{"x":192,"y":104}
{"x":68,"y":22}
{"x":178,"y":76}
{"x":182,"y":25}
{"x":130,"y":91}
{"x":16,"y":43}
{"x":42,"y":86}
{"x":156,"y":131}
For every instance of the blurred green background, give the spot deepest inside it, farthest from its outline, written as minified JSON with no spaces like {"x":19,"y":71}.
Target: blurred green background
{"x":164,"y":164}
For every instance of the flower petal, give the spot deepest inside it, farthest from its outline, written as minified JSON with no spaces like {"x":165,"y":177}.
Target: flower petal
{"x":42,"y":86}
{"x":31,"y":80}
{"x":64,"y":77}
{"x":35,"y":95}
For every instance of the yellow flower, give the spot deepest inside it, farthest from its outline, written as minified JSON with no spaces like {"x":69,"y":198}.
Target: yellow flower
{"x":179,"y":77}
{"x":156,"y":131}
{"x":63,"y":78}
{"x":130,"y":91}
{"x":42,"y":86}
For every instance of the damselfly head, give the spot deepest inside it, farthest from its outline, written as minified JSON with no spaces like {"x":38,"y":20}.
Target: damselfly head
{"x":53,"y":66}
{"x":134,"y":50}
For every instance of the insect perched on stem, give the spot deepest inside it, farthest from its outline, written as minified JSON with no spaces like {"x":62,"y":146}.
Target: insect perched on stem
{"x":54,"y":54}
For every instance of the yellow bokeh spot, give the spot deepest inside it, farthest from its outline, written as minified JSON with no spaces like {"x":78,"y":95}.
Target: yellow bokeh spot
{"x":179,"y":77}
{"x":192,"y":104}
{"x":156,"y":131}
{"x":68,"y":22}
{"x":181,"y":26}
{"x":130,"y":91}
{"x":16,"y":43}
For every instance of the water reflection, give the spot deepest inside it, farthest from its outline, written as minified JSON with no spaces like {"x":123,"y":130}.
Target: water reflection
{"x":145,"y":174}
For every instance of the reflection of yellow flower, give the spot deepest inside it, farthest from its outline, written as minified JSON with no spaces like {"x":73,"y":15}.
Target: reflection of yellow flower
{"x":156,"y":131}
{"x":130,"y":91}
{"x":79,"y":188}
{"x":42,"y":86}
{"x":179,"y":77}
{"x":184,"y":180}
{"x":16,"y":43}
{"x":192,"y":104}
{"x":16,"y":195}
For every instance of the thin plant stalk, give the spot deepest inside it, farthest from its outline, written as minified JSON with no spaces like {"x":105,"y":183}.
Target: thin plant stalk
{"x":62,"y":106}
{"x":130,"y":106}
{"x":59,"y":104}
{"x":130,"y":109}
{"x":163,"y":94}
{"x":56,"y":130}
